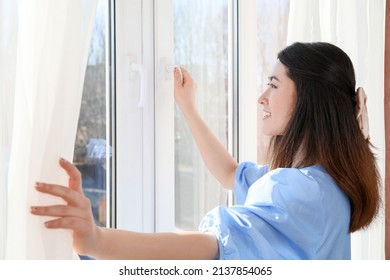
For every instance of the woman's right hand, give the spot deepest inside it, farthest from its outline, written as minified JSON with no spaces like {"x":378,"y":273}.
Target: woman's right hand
{"x":185,"y":91}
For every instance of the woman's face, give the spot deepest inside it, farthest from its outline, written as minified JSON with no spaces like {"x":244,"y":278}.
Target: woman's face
{"x":278,"y":100}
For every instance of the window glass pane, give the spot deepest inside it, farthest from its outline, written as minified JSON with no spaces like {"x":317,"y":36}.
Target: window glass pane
{"x":201,"y":46}
{"x":91,"y":139}
{"x":272,"y":22}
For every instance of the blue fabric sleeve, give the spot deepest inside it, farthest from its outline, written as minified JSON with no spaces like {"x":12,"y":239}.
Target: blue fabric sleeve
{"x":238,"y":236}
{"x":284,"y":217}
{"x":246,"y":174}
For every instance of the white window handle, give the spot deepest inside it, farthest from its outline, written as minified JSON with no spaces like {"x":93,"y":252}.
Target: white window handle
{"x":141,"y":69}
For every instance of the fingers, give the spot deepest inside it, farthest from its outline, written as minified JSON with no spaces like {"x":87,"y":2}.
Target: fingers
{"x":70,"y":216}
{"x":73,"y":197}
{"x":182,"y":77}
{"x":178,"y":76}
{"x":186,"y":75}
{"x":59,"y":211}
{"x":184,"y":72}
{"x":74,"y":175}
{"x":68,"y":223}
{"x":186,"y":84}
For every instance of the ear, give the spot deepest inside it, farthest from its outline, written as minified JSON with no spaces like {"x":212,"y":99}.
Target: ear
{"x":362,"y":113}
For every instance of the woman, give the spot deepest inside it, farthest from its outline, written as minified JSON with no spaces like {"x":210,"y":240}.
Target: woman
{"x":320,"y":185}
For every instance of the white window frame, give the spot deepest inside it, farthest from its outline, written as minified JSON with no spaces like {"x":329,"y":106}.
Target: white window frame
{"x":164,"y":121}
{"x":247,"y":89}
{"x":134,"y":153}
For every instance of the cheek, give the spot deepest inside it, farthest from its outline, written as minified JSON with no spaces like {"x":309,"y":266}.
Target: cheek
{"x":286,"y":110}
{"x":290,"y":103}
{"x":283,"y":106}
{"x":291,"y":109}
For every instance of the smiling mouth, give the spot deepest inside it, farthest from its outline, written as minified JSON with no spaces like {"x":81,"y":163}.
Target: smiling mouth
{"x":266,"y":115}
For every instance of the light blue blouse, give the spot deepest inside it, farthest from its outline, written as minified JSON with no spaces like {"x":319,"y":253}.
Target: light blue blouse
{"x":286,"y":213}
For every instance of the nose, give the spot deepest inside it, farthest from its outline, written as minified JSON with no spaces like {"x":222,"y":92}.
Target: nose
{"x":263,"y":98}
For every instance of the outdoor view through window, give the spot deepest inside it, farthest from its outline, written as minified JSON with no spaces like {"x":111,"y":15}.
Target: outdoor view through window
{"x":91,"y":139}
{"x":201,"y":46}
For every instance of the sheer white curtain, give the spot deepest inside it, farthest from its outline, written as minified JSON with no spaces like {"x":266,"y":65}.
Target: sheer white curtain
{"x":43,"y":71}
{"x":8,"y":27}
{"x":357,"y":26}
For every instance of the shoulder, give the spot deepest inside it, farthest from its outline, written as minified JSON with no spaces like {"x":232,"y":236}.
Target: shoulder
{"x":248,"y":172}
{"x":283,"y":185}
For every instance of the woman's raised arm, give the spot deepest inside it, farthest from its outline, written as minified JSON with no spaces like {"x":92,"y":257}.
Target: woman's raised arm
{"x":216,"y":157}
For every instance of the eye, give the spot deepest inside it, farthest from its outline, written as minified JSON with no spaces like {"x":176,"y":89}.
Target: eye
{"x":271,"y":85}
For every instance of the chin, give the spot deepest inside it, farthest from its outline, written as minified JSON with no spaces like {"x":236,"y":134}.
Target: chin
{"x":267,"y":133}
{"x":271,"y":133}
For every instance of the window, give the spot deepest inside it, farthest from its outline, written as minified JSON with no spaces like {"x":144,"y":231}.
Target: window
{"x":199,"y":36}
{"x":92,"y":143}
{"x":201,"y":45}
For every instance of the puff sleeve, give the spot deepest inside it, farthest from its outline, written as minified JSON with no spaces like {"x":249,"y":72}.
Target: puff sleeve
{"x":281,"y":215}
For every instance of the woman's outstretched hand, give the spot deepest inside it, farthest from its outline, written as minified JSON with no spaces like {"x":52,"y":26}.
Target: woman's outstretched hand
{"x":75,"y":215}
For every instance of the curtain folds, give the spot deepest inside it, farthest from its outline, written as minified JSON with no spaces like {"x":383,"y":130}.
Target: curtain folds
{"x":51,"y":52}
{"x":357,"y":27}
{"x":8,"y":28}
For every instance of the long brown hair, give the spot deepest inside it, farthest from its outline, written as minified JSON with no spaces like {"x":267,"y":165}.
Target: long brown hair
{"x":323,"y":128}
